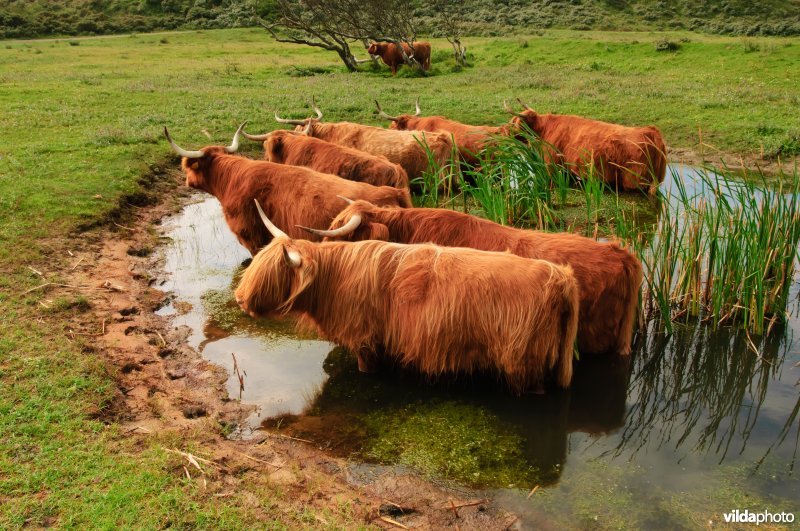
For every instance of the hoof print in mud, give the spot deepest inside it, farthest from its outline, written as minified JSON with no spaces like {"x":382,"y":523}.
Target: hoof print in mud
{"x":194,"y":412}
{"x":130,"y":367}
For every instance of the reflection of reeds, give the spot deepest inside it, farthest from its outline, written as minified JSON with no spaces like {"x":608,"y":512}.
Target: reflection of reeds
{"x":685,"y":393}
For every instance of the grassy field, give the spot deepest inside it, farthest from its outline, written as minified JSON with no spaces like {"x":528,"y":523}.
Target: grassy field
{"x":82,"y":123}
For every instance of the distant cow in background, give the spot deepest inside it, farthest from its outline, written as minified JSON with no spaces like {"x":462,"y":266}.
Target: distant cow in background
{"x":391,"y":55}
{"x":292,"y":194}
{"x":470,"y":139}
{"x":608,"y":276}
{"x":438,"y":310}
{"x":630,"y":158}
{"x":299,"y":149}
{"x":401,"y":147}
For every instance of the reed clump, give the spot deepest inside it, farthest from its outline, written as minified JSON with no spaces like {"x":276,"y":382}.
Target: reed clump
{"x":718,"y":247}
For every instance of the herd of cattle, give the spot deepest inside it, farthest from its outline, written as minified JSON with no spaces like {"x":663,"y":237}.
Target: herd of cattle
{"x":336,"y":242}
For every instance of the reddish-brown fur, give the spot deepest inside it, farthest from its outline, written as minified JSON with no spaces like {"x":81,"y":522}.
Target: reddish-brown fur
{"x":400,"y":147}
{"x":289,"y":147}
{"x":609,"y":277}
{"x":291,"y":195}
{"x":630,"y":158}
{"x":470,"y":139}
{"x":391,"y":56}
{"x":436,"y":309}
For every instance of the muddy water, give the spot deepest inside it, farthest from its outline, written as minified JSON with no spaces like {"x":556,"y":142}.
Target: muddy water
{"x":693,"y":425}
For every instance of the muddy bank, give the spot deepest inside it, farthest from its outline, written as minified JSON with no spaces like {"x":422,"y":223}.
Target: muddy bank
{"x":166,"y":391}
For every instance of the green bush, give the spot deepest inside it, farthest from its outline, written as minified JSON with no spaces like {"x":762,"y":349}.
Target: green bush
{"x":667,"y":46}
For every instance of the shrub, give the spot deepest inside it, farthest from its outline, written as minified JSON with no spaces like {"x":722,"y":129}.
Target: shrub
{"x":666,"y":45}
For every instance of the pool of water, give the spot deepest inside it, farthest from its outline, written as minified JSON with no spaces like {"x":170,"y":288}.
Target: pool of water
{"x":692,"y":425}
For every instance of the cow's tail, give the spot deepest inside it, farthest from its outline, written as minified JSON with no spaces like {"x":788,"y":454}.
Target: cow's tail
{"x":570,"y":304}
{"x":629,"y":283}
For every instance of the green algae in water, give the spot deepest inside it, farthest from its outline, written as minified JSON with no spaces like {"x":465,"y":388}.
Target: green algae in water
{"x":223,"y":313}
{"x":222,"y":309}
{"x":600,"y":495}
{"x":450,"y":441}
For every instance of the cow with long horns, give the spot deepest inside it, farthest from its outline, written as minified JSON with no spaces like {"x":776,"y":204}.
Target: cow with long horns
{"x":299,"y":149}
{"x":406,"y":148}
{"x":630,"y":158}
{"x":470,"y":139}
{"x":436,"y":309}
{"x":392,"y":57}
{"x":608,"y":276}
{"x":292,"y":194}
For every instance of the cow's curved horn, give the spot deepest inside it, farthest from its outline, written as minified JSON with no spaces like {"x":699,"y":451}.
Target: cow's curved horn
{"x":307,"y":130}
{"x":275,"y":231}
{"x":348,"y":200}
{"x":180,"y":151}
{"x":288,"y":121}
{"x":344,"y":230}
{"x":257,"y":138}
{"x":418,"y":111}
{"x":235,"y":142}
{"x":509,"y":110}
{"x":316,"y":109}
{"x":383,"y":114}
{"x":527,"y":107}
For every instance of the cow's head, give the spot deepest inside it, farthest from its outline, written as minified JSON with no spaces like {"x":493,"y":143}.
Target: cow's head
{"x":278,"y":274}
{"x":196,"y":163}
{"x":274,"y":142}
{"x":375,"y":48}
{"x":306,"y":125}
{"x":402,"y":122}
{"x":528,"y":117}
{"x":359,"y":221}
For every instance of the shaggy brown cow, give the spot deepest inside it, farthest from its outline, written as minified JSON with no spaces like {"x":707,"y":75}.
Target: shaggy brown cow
{"x":470,"y":139}
{"x":608,"y":276}
{"x":401,"y":147}
{"x":436,"y":309}
{"x":298,"y":149}
{"x":391,"y":56}
{"x":630,"y":158}
{"x":291,"y":194}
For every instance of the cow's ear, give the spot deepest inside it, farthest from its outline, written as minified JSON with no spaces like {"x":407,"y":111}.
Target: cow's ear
{"x":292,"y":257}
{"x":378,"y":231}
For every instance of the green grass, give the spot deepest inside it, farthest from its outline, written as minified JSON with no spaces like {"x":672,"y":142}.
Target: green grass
{"x":81,"y":126}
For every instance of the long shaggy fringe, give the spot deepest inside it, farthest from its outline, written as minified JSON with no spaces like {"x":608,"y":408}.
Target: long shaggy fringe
{"x":439,"y":310}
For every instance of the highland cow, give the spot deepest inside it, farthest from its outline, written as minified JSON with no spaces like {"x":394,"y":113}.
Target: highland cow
{"x":291,"y":194}
{"x":630,"y":158}
{"x":298,"y":149}
{"x":608,"y":276}
{"x":470,"y":140}
{"x":406,"y":148}
{"x":392,"y":57}
{"x":436,"y":309}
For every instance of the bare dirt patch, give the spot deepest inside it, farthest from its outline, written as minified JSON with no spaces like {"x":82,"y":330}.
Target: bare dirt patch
{"x":166,"y":390}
